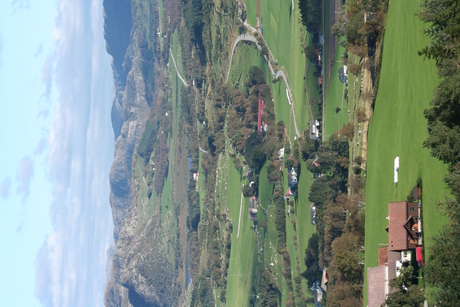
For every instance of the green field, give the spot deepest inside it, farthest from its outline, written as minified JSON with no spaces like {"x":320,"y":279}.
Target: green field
{"x":398,"y":128}
{"x":333,"y":120}
{"x":245,"y":56}
{"x":277,"y":30}
{"x":243,"y":256}
{"x":299,"y":73}
{"x":251,"y":6}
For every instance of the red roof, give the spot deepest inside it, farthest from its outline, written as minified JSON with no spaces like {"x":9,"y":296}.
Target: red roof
{"x":320,"y":81}
{"x":418,"y":255}
{"x":399,"y":236}
{"x":383,"y":255}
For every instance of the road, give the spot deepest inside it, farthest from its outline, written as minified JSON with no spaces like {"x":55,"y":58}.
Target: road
{"x":177,"y":70}
{"x":242,"y":37}
{"x":279,"y":73}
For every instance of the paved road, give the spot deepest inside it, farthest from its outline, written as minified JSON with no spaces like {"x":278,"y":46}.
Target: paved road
{"x":279,"y":73}
{"x":242,"y":37}
{"x":177,"y":71}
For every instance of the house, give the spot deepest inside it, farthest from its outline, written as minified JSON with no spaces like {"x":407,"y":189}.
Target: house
{"x":281,"y":153}
{"x":314,"y":132}
{"x":324,"y":280}
{"x":402,"y":226}
{"x":343,"y":74}
{"x":320,"y":82}
{"x":288,"y":194}
{"x":292,"y":179}
{"x":378,"y":277}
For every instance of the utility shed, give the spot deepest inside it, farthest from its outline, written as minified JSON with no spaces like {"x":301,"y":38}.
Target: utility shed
{"x":402,"y":225}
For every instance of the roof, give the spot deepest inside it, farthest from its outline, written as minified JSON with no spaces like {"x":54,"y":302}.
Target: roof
{"x":376,"y":286}
{"x":398,"y":236}
{"x":383,"y":255}
{"x":324,"y":279}
{"x":343,"y":74}
{"x":392,"y":258}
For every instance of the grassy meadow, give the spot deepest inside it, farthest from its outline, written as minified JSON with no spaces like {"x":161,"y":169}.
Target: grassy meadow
{"x":251,"y":7}
{"x":398,"y":128}
{"x":333,"y":120}
{"x":243,"y":256}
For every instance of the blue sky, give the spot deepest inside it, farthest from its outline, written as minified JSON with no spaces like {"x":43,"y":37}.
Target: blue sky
{"x":56,"y":148}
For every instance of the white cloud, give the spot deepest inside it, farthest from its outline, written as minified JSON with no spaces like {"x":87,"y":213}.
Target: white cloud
{"x":24,"y":175}
{"x":70,"y":266}
{"x":5,"y":188}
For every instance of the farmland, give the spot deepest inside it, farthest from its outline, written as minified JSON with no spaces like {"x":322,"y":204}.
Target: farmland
{"x":243,"y":256}
{"x":398,"y":128}
{"x":335,"y":118}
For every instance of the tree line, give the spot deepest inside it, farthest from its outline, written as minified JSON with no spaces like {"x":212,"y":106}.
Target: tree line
{"x":339,"y":240}
{"x":443,"y":28}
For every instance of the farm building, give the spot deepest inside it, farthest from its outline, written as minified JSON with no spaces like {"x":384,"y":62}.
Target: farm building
{"x":343,"y":73}
{"x":402,"y":227}
{"x":314,"y":132}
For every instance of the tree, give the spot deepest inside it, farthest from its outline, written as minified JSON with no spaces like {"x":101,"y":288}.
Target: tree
{"x":360,"y":114}
{"x":256,"y":75}
{"x":310,"y":53}
{"x":254,"y":151}
{"x":442,"y":264}
{"x":354,"y":25}
{"x":337,"y":29}
{"x":347,"y":130}
{"x":442,"y":16}
{"x":312,"y":273}
{"x":407,"y":294}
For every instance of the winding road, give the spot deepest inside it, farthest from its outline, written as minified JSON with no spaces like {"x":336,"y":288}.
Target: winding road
{"x":241,"y":38}
{"x":177,"y":70}
{"x":279,"y":73}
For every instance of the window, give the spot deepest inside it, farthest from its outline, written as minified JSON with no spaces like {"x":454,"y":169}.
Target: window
{"x":412,"y":209}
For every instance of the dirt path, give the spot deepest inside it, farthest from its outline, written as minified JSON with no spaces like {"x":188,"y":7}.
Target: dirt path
{"x":177,"y":70}
{"x":367,"y":89}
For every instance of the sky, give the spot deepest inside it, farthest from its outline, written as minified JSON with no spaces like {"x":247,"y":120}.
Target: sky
{"x":56,"y":149}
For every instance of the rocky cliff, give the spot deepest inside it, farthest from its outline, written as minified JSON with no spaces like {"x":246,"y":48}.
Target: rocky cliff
{"x":118,"y":23}
{"x":143,"y":269}
{"x":117,"y":31}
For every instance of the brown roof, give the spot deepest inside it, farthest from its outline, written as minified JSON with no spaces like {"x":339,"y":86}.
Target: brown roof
{"x":398,"y":235}
{"x":376,"y":286}
{"x":383,"y":255}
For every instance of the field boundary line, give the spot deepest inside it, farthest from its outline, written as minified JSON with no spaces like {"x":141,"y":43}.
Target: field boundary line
{"x":239,"y":219}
